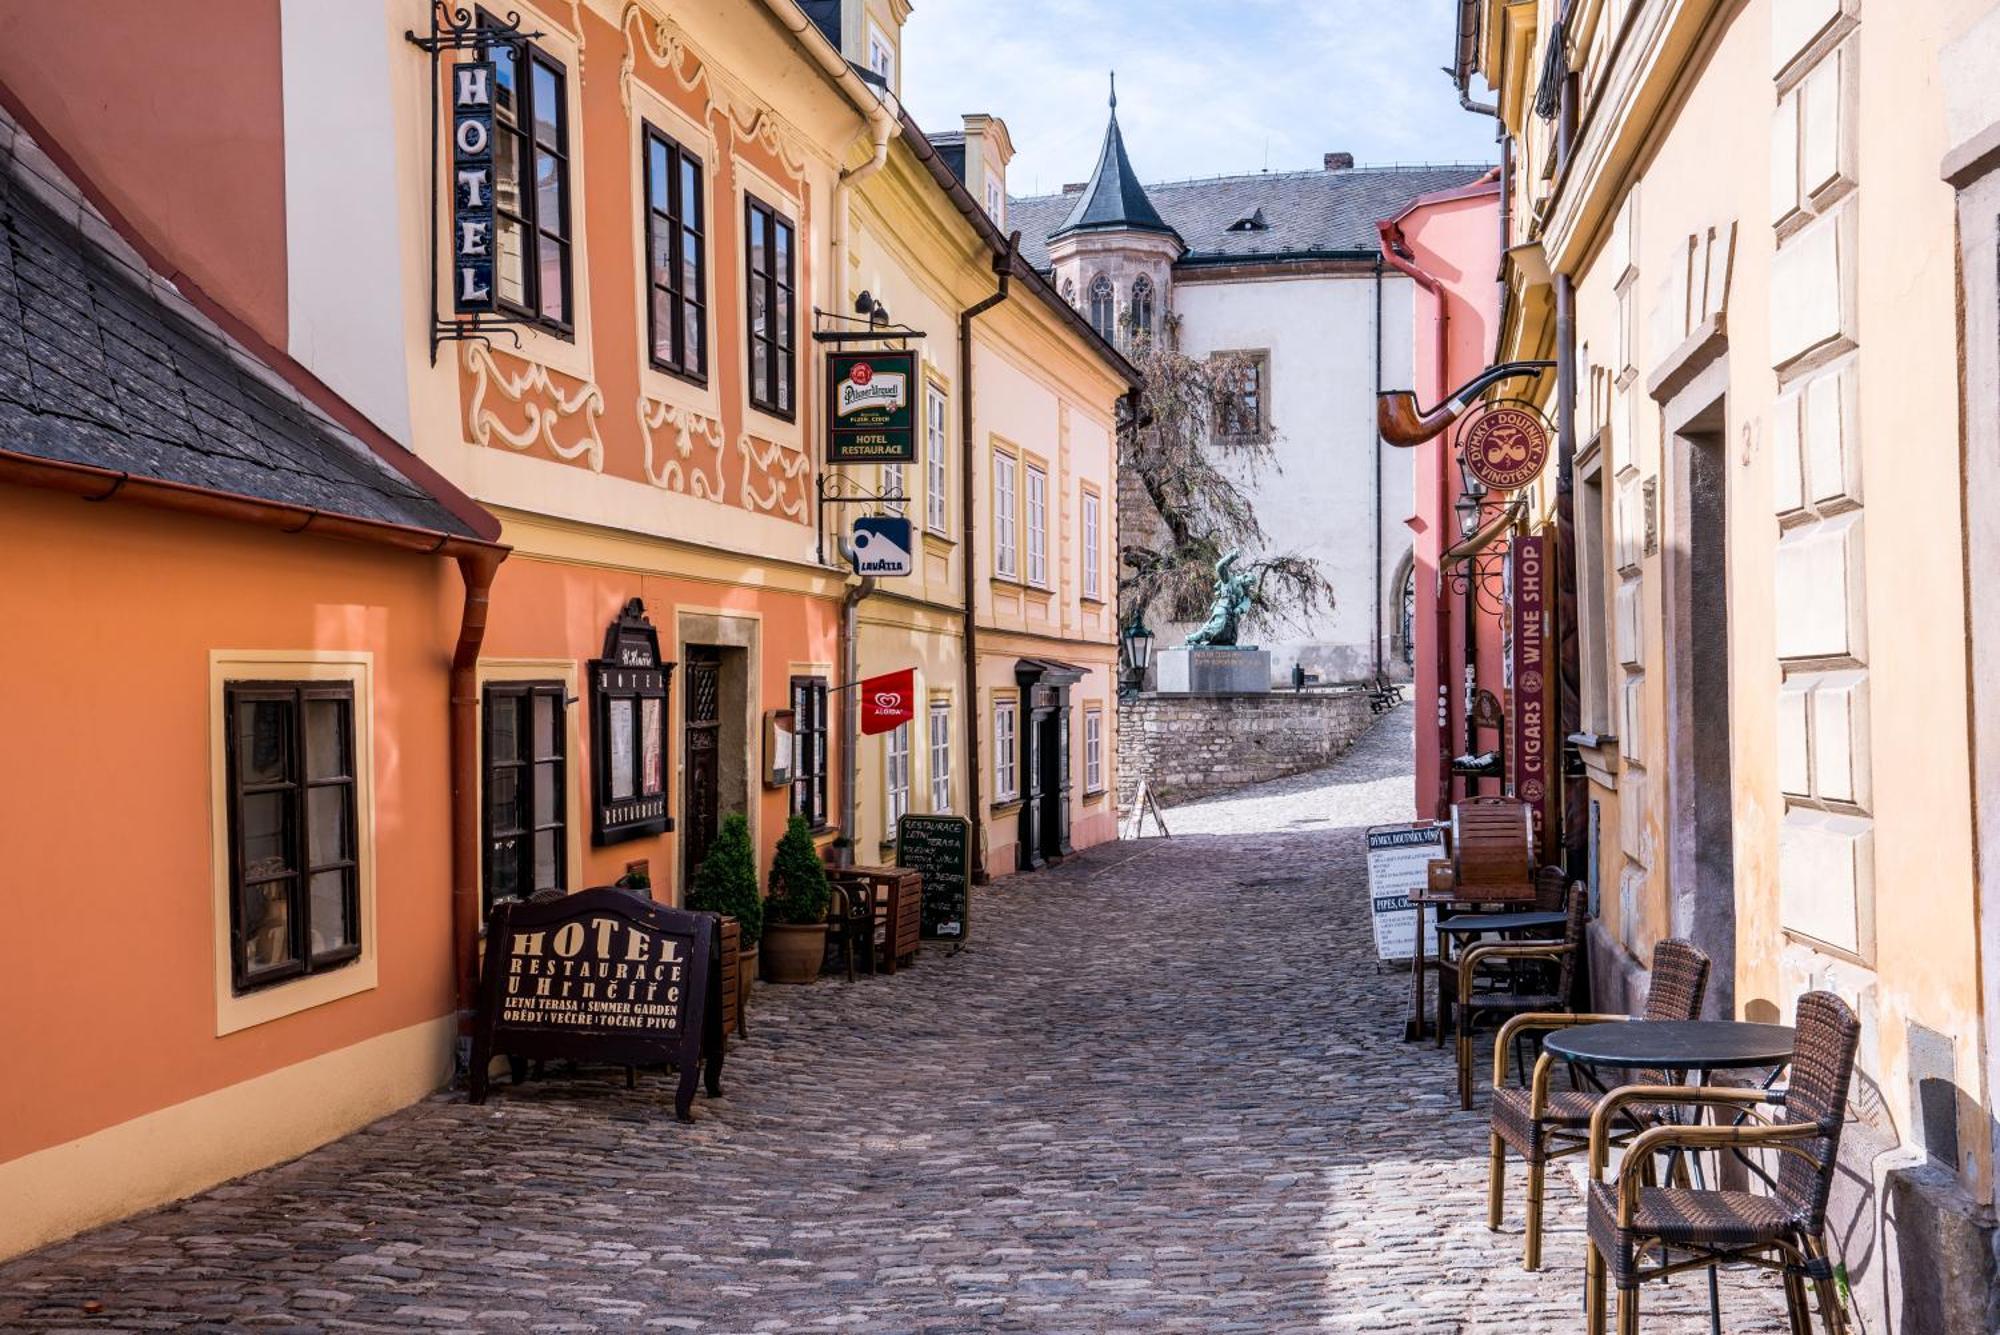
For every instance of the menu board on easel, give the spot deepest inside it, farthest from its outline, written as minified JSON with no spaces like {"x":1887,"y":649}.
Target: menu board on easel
{"x":940,"y":847}
{"x":1399,"y":858}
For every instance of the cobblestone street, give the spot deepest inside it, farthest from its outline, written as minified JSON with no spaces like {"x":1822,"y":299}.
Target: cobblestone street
{"x":1163,"y":1089}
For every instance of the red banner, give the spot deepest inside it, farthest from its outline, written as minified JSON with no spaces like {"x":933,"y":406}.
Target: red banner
{"x":1529,"y":755}
{"x":888,"y":701}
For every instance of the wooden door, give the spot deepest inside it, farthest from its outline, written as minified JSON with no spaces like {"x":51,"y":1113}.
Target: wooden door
{"x":703,"y":749}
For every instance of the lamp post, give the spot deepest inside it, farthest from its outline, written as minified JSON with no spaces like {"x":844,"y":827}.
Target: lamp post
{"x":1137,"y":642}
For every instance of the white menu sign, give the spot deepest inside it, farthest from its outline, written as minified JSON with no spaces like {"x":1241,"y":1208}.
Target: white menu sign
{"x":1399,"y":858}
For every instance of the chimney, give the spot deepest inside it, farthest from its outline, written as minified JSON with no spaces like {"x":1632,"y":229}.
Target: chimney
{"x":1073,"y":187}
{"x":1339,"y":162}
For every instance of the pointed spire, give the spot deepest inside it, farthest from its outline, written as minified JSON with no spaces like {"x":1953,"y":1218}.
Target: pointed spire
{"x":1114,"y":199}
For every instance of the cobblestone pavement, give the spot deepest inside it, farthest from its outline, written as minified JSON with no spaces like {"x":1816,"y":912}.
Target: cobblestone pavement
{"x":1161,"y":1090}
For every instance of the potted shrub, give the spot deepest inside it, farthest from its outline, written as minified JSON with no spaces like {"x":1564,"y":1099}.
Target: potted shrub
{"x":795,"y":913}
{"x":726,"y":882}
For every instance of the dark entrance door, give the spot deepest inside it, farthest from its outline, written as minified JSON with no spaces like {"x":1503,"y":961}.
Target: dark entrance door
{"x":704,"y":755}
{"x":1045,"y":758}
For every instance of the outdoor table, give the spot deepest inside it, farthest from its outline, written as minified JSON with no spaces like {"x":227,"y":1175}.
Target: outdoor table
{"x":1678,"y":1047}
{"x":1463,"y":925}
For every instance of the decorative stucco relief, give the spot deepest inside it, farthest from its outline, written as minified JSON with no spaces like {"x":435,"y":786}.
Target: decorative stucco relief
{"x":689,"y":458}
{"x":668,"y":48}
{"x":774,"y":479}
{"x":542,"y":407}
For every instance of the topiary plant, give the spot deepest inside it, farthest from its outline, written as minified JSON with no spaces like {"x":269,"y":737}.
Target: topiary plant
{"x":799,"y":892}
{"x":726,"y":881}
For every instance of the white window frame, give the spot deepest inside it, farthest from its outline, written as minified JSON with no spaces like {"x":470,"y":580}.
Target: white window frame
{"x":996,"y":201}
{"x":1006,"y":536}
{"x":892,"y":485}
{"x":1093,"y":538}
{"x":937,"y":443}
{"x":896,"y":774}
{"x":1006,"y":749}
{"x":940,"y":755}
{"x":1037,"y":507}
{"x":881,"y":54}
{"x":1093,"y":751}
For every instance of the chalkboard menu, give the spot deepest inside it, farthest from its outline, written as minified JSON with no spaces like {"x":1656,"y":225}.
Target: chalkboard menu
{"x":940,"y":847}
{"x":600,"y":975}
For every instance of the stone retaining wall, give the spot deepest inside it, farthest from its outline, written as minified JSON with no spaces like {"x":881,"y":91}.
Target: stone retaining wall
{"x":1190,"y":745}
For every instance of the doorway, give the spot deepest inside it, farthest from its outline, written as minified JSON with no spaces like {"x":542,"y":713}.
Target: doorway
{"x":1044,"y":832}
{"x":702,"y":746}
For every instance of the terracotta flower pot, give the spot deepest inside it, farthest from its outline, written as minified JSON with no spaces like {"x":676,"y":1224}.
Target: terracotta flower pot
{"x":792,"y":951}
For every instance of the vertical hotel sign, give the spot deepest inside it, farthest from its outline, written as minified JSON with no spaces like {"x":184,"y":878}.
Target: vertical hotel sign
{"x":1529,"y":756}
{"x":472,"y":187}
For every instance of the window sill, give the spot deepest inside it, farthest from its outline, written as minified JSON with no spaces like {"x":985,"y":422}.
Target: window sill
{"x":1092,"y":796}
{"x":775,"y":414}
{"x":1007,"y":807}
{"x":939,"y":544}
{"x":1089,"y":600}
{"x":246,"y":1010}
{"x":1012,"y":583}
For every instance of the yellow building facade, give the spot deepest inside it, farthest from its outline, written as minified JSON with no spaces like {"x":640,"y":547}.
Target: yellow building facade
{"x":1728,"y":221}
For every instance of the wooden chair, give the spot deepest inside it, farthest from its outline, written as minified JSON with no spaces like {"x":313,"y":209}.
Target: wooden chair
{"x":1493,"y":850}
{"x":1540,"y":1123}
{"x":851,"y":922}
{"x":1781,"y":1231}
{"x":1471,"y":1003}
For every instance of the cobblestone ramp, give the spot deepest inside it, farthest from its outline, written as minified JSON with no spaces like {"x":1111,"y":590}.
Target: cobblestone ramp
{"x":1161,"y":1090}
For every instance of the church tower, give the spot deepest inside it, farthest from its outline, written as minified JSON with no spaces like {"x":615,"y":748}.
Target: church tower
{"x":1113,"y":255}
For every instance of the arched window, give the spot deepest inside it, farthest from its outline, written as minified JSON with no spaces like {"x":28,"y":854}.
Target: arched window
{"x":1103,"y":303}
{"x":1142,"y":310}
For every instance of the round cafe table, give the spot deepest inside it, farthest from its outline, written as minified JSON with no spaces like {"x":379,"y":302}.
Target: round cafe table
{"x":1678,"y":1047}
{"x":1457,"y":931}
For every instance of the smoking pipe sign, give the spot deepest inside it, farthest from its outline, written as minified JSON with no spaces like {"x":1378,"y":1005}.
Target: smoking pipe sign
{"x":869,"y":413}
{"x":881,"y":546}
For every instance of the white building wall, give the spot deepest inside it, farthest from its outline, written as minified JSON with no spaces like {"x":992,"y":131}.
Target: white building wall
{"x":1318,"y":497}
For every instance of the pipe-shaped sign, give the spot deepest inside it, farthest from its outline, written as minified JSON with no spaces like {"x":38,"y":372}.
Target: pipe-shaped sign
{"x":1403,"y":424}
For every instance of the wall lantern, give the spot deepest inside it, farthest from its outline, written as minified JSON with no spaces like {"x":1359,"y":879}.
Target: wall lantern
{"x":1137,"y":641}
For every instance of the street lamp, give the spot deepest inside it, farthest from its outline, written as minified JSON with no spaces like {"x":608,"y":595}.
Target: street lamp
{"x":1467,"y":509}
{"x":1138,"y":643}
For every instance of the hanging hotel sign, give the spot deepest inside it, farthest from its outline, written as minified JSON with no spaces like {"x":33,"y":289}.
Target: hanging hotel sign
{"x":600,"y":975}
{"x":1529,"y":754}
{"x":628,"y":731}
{"x":472,"y":187}
{"x":870,"y":408}
{"x":1505,"y":445}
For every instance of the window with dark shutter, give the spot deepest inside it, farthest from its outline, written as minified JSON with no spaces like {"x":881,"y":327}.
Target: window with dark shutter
{"x":809,"y":749}
{"x":773,"y":367}
{"x":676,"y":258}
{"x":526,"y":789}
{"x":294,"y":856}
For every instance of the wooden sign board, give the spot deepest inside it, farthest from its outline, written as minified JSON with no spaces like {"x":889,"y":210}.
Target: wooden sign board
{"x":1399,"y":858}
{"x":599,"y":976}
{"x":940,"y":847}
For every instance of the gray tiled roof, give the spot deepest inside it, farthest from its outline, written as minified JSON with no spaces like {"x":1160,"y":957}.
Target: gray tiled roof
{"x":1314,"y":212}
{"x":1113,"y":199}
{"x":105,"y":363}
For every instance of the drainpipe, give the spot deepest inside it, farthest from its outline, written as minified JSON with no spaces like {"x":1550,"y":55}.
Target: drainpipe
{"x":1377,"y":429}
{"x":1003,"y":266}
{"x":850,"y":710}
{"x":477,"y":569}
{"x":1392,"y":238}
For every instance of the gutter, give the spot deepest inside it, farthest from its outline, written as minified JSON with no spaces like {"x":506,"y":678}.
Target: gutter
{"x":1465,"y":39}
{"x":1003,"y":269}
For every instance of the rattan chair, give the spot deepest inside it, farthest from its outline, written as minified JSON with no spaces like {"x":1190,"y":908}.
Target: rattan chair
{"x":1631,"y":1217}
{"x":1471,"y":1004}
{"x":1551,"y":896}
{"x":1541,"y":1123}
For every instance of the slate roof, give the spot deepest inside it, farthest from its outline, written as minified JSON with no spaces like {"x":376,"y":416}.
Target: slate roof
{"x":1311,"y":213}
{"x":103,"y":362}
{"x":1113,"y":199}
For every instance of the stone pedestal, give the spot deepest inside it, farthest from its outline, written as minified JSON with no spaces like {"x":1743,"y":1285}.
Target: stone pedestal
{"x":1205,"y":670}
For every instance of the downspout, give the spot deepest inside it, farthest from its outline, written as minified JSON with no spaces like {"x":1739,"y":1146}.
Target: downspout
{"x":1392,"y":236}
{"x":1003,"y":265}
{"x":850,"y":710}
{"x":477,"y":569}
{"x":1377,"y":638}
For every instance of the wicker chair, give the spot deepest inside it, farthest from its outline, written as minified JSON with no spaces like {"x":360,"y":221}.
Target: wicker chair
{"x":1551,"y":896}
{"x":1471,"y":1003}
{"x":1630,"y":1216}
{"x":1540,"y":1123}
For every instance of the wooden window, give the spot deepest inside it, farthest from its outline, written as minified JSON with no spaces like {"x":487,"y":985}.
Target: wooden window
{"x":1006,"y":542}
{"x":896,"y":771}
{"x":1246,"y":399}
{"x":1038,"y":526}
{"x":809,"y":749}
{"x":772,"y":314}
{"x":1093,"y":539}
{"x":531,"y":183}
{"x":294,"y":852}
{"x":940,"y":755}
{"x":1093,"y":750}
{"x":526,"y":789}
{"x":1006,"y":775}
{"x":676,"y":258}
{"x":936,"y":441}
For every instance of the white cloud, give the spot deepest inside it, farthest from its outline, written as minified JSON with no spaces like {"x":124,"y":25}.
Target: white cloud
{"x":1204,"y":88}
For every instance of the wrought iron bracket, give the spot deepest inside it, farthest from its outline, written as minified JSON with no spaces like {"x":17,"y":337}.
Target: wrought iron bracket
{"x":457,"y":28}
{"x":857,"y":496}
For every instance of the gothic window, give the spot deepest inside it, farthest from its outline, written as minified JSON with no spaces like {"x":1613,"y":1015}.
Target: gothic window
{"x":1142,"y":309}
{"x":1103,"y":304}
{"x":1069,"y":291}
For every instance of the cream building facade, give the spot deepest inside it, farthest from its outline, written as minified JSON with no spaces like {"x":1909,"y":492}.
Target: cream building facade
{"x":1761,"y":405}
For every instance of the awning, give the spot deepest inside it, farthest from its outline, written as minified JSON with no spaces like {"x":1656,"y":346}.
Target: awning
{"x":1049,"y":671}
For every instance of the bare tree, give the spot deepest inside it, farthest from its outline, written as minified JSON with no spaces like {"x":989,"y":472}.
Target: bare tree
{"x":1194,"y":477}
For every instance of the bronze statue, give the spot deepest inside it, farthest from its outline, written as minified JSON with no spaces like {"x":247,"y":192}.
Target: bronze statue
{"x":1233,"y":595}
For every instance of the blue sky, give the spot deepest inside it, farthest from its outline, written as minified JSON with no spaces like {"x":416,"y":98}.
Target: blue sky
{"x":1205,"y":87}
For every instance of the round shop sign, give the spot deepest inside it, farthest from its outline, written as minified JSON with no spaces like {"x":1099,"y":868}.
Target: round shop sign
{"x":1506,"y":446}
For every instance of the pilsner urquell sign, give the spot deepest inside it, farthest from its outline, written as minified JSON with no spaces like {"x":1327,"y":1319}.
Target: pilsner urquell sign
{"x":870,"y":407}
{"x":1530,"y":752}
